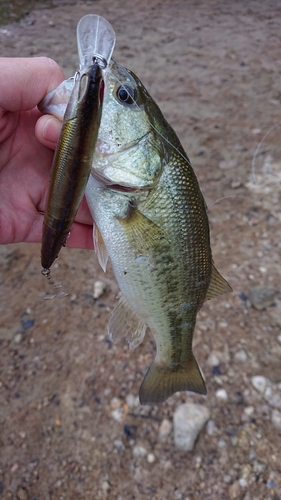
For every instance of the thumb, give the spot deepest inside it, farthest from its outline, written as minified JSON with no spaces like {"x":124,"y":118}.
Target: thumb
{"x":47,"y":130}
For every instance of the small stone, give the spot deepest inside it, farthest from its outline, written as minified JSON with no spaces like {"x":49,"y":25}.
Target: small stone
{"x":213,"y":359}
{"x":132,"y":401}
{"x":105,"y":486}
{"x":259,"y":382}
{"x":221,"y":394}
{"x":151,"y":458}
{"x":276,"y":419}
{"x":249,"y":410}
{"x":119,"y":445}
{"x":260,"y":297}
{"x":18,"y":338}
{"x":221,"y":443}
{"x":139,"y":451}
{"x":234,"y":490}
{"x":22,"y":494}
{"x":165,"y":428}
{"x":210,"y":427}
{"x":99,"y":288}
{"x":224,"y":164}
{"x":241,"y":356}
{"x":118,"y":414}
{"x":115,"y":403}
{"x":226,"y":479}
{"x":243,"y":482}
{"x":279,"y":339}
{"x":189,"y":420}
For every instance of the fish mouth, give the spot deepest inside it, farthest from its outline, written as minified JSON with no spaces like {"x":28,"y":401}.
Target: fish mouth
{"x":104,"y":182}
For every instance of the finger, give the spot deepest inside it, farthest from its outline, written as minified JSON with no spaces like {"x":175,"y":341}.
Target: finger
{"x":27,"y":81}
{"x":47,"y":130}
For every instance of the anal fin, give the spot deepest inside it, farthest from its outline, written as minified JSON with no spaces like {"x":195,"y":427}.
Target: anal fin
{"x":125,"y":323}
{"x":218,"y":285}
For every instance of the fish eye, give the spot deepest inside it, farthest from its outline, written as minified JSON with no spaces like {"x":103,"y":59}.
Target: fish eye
{"x":126,"y":94}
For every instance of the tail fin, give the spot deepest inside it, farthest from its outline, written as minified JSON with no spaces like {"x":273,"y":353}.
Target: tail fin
{"x":162,"y":380}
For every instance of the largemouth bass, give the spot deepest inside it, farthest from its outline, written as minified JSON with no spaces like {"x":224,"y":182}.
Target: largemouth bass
{"x":150,"y":219}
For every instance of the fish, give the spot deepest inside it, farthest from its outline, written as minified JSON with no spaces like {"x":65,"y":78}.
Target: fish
{"x":150,"y":219}
{"x":72,"y":160}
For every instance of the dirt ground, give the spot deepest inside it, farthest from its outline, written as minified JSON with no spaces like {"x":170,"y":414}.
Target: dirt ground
{"x":70,"y":424}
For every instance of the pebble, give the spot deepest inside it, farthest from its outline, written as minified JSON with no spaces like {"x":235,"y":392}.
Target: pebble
{"x":213,"y":359}
{"x":118,"y":414}
{"x":279,"y":339}
{"x":234,"y":490}
{"x":119,"y":445}
{"x":259,"y":382}
{"x":132,"y":401}
{"x":189,"y":420}
{"x":210,"y":427}
{"x":22,"y":494}
{"x":18,"y":338}
{"x":224,"y":164}
{"x":276,"y":419}
{"x":151,"y":458}
{"x":241,"y":356}
{"x":139,"y":451}
{"x":99,"y":288}
{"x":221,"y":394}
{"x":243,"y":482}
{"x":165,"y":428}
{"x":260,"y":297}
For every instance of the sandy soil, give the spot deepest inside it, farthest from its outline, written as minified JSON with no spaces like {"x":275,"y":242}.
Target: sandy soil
{"x":70,"y":420}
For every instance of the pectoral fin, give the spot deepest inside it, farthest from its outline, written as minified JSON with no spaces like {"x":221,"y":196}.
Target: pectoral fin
{"x":218,"y":285}
{"x":100,"y":248}
{"x":125,"y":323}
{"x":142,"y":230}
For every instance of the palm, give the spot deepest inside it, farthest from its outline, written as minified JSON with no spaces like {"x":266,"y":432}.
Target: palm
{"x":24,"y":175}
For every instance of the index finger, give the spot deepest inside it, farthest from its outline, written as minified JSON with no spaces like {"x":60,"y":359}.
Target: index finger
{"x":25,"y":81}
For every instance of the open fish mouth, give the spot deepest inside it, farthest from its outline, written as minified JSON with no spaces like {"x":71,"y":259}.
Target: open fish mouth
{"x":104,"y":182}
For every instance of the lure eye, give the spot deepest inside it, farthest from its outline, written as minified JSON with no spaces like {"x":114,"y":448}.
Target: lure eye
{"x":126,"y":94}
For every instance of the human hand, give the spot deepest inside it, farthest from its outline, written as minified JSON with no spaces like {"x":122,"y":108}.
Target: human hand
{"x":27,"y":141}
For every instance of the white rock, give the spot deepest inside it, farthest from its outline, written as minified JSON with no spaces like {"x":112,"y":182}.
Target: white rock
{"x":132,"y":401}
{"x":118,"y":414}
{"x":150,"y":458}
{"x":213,"y":359}
{"x":259,"y":382}
{"x":189,"y":420}
{"x":243,"y":482}
{"x":18,"y":338}
{"x":211,"y":427}
{"x":165,"y":428}
{"x":139,"y":451}
{"x":241,"y":356}
{"x":99,"y":288}
{"x":221,"y":394}
{"x":276,"y":419}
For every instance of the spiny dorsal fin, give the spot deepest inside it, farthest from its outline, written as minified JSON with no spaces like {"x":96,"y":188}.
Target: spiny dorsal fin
{"x":217,"y":286}
{"x":125,"y":323}
{"x":100,"y":248}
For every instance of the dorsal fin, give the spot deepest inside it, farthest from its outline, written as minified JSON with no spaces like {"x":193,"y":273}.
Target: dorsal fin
{"x":217,"y":286}
{"x":125,"y":323}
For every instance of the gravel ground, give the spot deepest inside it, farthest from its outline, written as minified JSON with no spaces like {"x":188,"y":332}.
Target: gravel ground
{"x":71,"y":424}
